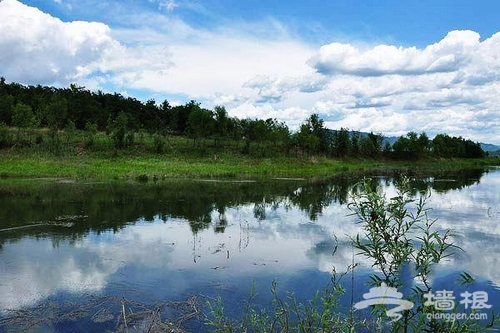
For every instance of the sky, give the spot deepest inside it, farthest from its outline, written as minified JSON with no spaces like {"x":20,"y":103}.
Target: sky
{"x":387,"y":66}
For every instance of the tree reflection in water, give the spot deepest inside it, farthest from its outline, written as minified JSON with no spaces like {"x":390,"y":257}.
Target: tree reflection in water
{"x":70,"y":211}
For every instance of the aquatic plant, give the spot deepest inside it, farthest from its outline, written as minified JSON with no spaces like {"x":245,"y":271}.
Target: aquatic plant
{"x":405,"y":246}
{"x":322,"y":313}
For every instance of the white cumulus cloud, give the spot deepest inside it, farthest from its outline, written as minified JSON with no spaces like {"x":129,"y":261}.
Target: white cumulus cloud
{"x":445,"y":56}
{"x":260,"y":69}
{"x":38,"y":47}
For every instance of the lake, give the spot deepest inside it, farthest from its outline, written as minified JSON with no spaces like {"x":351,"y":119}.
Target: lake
{"x":74,"y":255}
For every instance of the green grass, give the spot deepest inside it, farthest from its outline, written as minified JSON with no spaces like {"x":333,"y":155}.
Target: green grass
{"x":181,"y":159}
{"x":101,"y":167}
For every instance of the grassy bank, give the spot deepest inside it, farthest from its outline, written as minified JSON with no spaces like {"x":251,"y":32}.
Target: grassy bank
{"x":144,"y":166}
{"x":75,"y":155}
{"x":101,"y":167}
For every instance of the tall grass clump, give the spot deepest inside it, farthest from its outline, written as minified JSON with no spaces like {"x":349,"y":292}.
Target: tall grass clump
{"x":159,"y":143}
{"x":90,"y":135}
{"x":321,"y":314}
{"x":6,"y":138}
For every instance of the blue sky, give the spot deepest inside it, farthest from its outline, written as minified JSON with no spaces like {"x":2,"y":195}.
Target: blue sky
{"x":384,"y":66}
{"x":407,"y":23}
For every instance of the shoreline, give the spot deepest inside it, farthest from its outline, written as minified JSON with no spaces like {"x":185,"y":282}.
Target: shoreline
{"x":93,"y":167}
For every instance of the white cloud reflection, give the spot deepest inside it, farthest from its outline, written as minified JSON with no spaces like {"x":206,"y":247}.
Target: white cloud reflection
{"x":286,"y":241}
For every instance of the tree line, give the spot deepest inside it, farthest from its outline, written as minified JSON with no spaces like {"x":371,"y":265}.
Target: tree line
{"x":76,"y":108}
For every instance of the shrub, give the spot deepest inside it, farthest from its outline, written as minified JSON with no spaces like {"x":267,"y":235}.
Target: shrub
{"x":159,"y":143}
{"x":402,"y":242}
{"x":90,"y":133}
{"x":6,"y":139}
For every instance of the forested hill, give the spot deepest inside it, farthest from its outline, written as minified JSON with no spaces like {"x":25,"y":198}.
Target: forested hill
{"x":31,"y":107}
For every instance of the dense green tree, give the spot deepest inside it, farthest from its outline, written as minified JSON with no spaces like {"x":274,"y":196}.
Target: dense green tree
{"x":306,"y":140}
{"x":473,"y":149}
{"x":371,"y":145}
{"x":55,"y":112}
{"x":149,"y":118}
{"x":180,"y":116}
{"x":24,"y":119}
{"x":23,"y":116}
{"x":341,"y":143}
{"x":401,"y":148}
{"x":258,"y":131}
{"x":235,"y":129}
{"x":313,"y":136}
{"x":6,"y":107}
{"x":118,"y":130}
{"x":279,"y":133}
{"x":354,"y":148}
{"x":164,"y":114}
{"x":221,"y":130}
{"x":448,"y":147}
{"x":90,"y":133}
{"x":318,"y":129}
{"x":200,"y":124}
{"x":6,"y":139}
{"x":411,"y":146}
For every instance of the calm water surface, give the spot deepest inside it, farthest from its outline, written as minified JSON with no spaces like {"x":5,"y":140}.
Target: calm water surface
{"x":73,"y":255}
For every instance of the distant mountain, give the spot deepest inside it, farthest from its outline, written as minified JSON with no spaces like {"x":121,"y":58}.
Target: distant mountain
{"x":391,"y":139}
{"x":491,"y":148}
